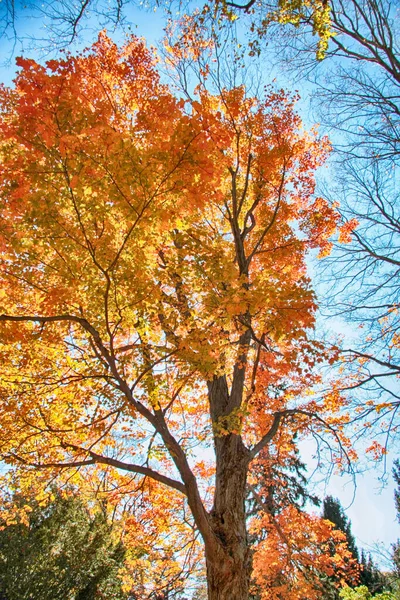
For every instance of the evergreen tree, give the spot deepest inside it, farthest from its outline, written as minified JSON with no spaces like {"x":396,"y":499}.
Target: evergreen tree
{"x":64,"y":553}
{"x":280,"y":485}
{"x":370,"y":575}
{"x":396,"y":546}
{"x":333,"y":511}
{"x":283,"y":484}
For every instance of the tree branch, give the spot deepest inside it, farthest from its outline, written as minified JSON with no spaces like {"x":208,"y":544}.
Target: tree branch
{"x":268,"y":436}
{"x":98,"y":458}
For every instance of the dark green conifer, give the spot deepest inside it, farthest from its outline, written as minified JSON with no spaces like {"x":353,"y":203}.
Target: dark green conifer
{"x":333,"y":511}
{"x":66,"y":553}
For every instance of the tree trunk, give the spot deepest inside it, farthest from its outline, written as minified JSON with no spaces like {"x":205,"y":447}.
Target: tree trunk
{"x":228,"y":562}
{"x":228,"y":578}
{"x":228,"y":569}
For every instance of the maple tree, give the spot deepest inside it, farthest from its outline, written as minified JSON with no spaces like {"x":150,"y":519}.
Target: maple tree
{"x":156,"y":326}
{"x":297,"y":555}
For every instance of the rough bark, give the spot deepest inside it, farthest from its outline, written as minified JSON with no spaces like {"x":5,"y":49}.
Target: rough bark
{"x":228,"y":568}
{"x":227,"y":579}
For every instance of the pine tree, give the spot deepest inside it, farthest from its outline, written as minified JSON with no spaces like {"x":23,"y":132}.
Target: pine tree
{"x":396,"y":546}
{"x":333,"y":511}
{"x":64,"y":552}
{"x":370,"y":575}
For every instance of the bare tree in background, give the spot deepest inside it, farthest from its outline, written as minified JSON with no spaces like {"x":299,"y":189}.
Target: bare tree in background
{"x":362,"y":285}
{"x":360,"y":102}
{"x":55,"y":24}
{"x":58,"y":23}
{"x":357,"y":100}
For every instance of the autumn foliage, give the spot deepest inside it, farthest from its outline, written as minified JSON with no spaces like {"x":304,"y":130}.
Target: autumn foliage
{"x":292,"y":565}
{"x":155,"y":301}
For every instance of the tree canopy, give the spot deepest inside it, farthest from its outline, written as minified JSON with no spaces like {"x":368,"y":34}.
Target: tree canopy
{"x":155,"y":301}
